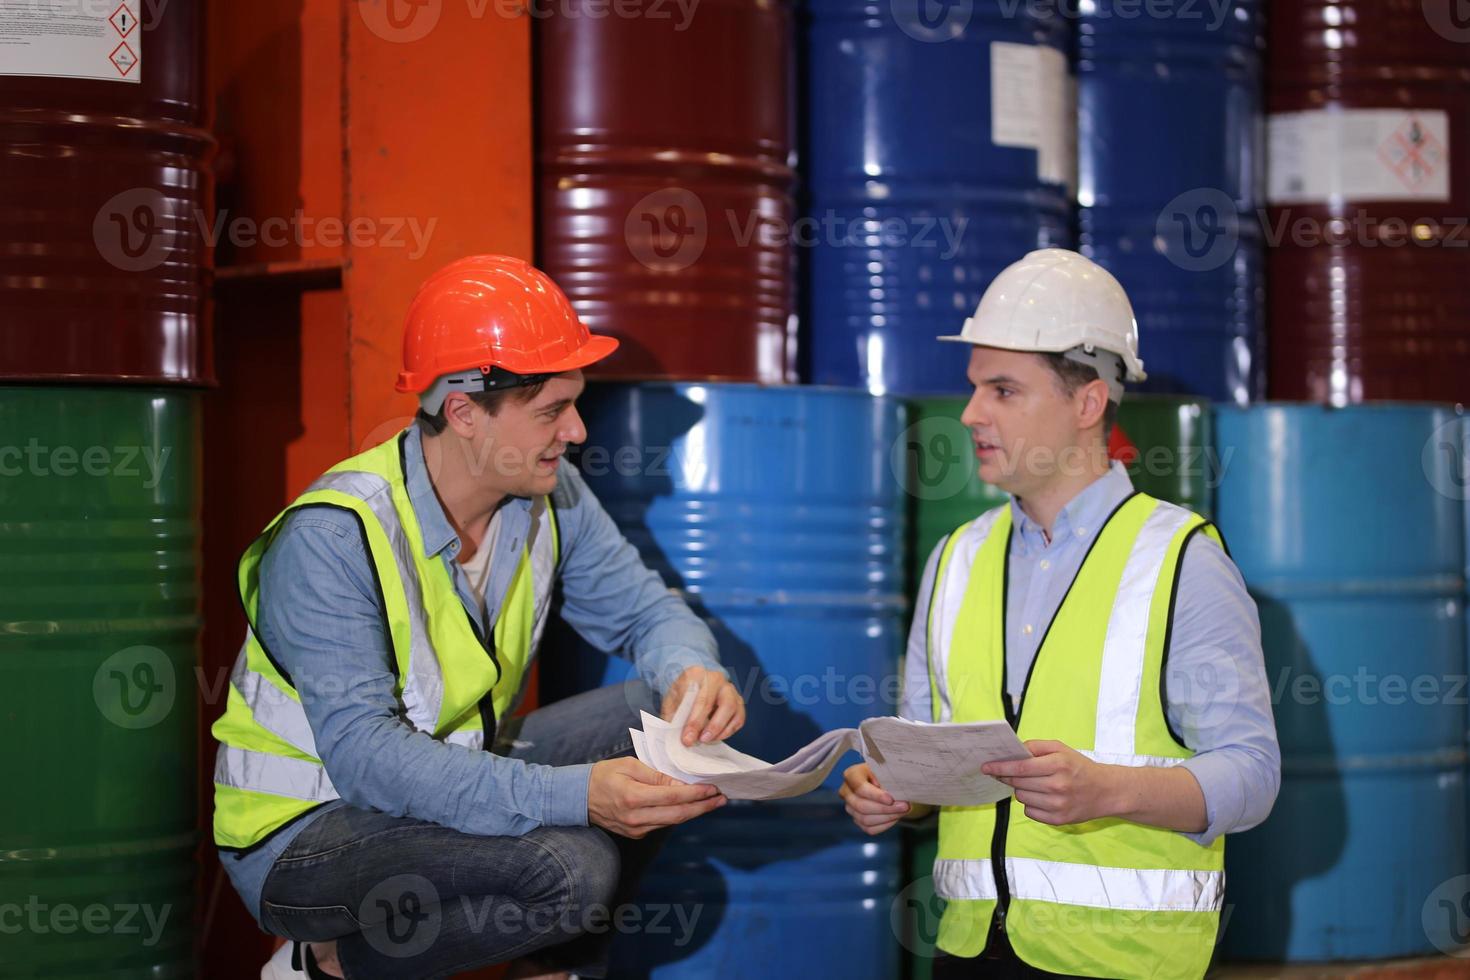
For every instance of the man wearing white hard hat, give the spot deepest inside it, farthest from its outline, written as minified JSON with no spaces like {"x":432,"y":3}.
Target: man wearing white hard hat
{"x":1114,"y":632}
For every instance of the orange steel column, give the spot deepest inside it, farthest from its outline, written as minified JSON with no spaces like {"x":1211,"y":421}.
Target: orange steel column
{"x":437,"y":141}
{"x":365,"y":143}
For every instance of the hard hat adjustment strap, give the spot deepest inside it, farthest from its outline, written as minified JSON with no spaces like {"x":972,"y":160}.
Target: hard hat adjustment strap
{"x":1108,"y":365}
{"x":488,"y":378}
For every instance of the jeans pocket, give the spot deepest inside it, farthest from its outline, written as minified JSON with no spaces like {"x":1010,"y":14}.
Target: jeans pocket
{"x":308,"y":923}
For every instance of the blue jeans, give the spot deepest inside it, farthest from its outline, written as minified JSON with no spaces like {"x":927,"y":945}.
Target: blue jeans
{"x":409,"y":898}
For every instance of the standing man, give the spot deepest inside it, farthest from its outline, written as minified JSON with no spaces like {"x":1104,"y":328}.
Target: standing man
{"x":1114,"y":633}
{"x":375,"y":798}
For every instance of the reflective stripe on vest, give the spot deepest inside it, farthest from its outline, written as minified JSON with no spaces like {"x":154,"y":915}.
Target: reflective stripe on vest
{"x":1131,"y":900}
{"x":268,"y":770}
{"x":1086,"y":885}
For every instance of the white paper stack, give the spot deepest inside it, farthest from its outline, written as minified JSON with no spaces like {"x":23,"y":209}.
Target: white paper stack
{"x":913,"y":761}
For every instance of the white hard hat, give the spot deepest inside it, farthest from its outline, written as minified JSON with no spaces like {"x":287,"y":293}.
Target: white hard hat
{"x":1053,"y":301}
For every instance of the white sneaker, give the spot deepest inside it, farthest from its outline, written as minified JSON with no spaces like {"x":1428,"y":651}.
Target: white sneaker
{"x":279,"y":967}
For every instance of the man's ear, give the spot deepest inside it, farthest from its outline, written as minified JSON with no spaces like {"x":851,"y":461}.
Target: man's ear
{"x":1092,"y":403}
{"x":459,"y":412}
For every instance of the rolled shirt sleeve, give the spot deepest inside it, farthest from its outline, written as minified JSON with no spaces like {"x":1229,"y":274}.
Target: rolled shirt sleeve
{"x":1217,"y":696}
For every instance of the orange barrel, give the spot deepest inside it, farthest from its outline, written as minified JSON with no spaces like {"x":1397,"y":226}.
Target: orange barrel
{"x":1369,"y":187}
{"x":666,"y":183}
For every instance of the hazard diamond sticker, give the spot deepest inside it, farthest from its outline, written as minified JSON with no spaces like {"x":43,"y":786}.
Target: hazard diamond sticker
{"x":1413,"y":153}
{"x":123,"y":20}
{"x":123,"y":57}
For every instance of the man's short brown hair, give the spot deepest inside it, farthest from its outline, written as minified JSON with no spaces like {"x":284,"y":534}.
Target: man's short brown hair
{"x":1071,"y":375}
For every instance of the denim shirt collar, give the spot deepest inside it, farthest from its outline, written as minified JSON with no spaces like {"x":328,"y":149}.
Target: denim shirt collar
{"x":434,"y":524}
{"x":1084,"y":514}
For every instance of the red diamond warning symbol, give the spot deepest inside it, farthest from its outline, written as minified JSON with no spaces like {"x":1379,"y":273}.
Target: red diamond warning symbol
{"x":1413,"y":153}
{"x":123,"y":57}
{"x":123,"y":20}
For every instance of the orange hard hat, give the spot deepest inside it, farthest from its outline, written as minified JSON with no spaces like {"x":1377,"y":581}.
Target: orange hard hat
{"x":496,"y":319}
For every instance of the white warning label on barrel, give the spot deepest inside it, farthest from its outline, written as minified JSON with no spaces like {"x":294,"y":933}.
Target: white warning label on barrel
{"x":1358,"y":154}
{"x":1031,"y":106}
{"x":72,"y":39}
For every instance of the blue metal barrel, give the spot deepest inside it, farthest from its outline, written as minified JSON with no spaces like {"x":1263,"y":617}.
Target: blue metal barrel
{"x":1347,"y":525}
{"x":1169,"y":155}
{"x":784,"y":889}
{"x":937,"y":152}
{"x":779,"y":515}
{"x":777,"y":512}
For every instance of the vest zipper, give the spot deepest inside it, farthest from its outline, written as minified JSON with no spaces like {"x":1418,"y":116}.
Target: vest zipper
{"x":1013,"y":715}
{"x":998,"y":843}
{"x":489,"y":724}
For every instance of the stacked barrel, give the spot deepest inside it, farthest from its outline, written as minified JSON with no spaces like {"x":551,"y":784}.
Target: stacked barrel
{"x":938,"y":145}
{"x":1369,"y":191}
{"x":666,"y":184}
{"x":1361,"y":592}
{"x":1361,"y":597}
{"x":103,"y":346}
{"x":1169,"y":113}
{"x":667,"y":213}
{"x":937,"y":153}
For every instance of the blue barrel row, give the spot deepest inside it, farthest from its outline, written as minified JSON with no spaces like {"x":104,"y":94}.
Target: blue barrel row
{"x":940,"y":145}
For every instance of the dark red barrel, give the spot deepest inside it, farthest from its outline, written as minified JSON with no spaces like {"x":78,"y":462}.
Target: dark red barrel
{"x":666,"y":187}
{"x":106,"y":202}
{"x":1370,"y":193}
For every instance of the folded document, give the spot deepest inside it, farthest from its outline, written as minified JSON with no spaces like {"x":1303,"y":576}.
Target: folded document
{"x":913,"y":761}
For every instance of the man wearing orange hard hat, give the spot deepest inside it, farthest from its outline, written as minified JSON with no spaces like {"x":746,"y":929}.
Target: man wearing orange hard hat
{"x":376,"y":801}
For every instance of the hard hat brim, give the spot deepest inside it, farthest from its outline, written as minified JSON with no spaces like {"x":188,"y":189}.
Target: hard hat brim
{"x":1132,"y":377}
{"x":598,"y":346}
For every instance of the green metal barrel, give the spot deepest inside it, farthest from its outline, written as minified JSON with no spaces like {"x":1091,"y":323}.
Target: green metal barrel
{"x":99,"y":630}
{"x":1174,"y":458}
{"x":941,"y":476}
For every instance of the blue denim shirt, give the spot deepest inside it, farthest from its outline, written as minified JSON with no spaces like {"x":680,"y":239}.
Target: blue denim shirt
{"x":319,"y":615}
{"x":1216,"y":693}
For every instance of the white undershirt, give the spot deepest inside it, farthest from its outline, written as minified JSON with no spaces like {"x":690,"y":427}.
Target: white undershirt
{"x":477,"y":569}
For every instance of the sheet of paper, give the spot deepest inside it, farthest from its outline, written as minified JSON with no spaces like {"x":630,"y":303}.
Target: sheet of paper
{"x":738,"y":775}
{"x":940,"y":763}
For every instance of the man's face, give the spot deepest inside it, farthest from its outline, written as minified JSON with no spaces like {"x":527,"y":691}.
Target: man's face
{"x":1023,"y":426}
{"x":521,"y":446}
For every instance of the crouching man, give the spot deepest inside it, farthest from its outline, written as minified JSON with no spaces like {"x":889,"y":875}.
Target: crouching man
{"x":375,"y":799}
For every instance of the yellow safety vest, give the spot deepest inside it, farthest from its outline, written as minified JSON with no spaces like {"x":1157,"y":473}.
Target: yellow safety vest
{"x":267,"y":771}
{"x":1105,"y":898}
